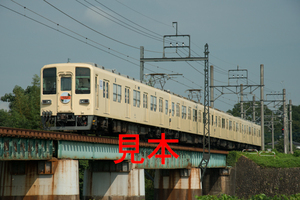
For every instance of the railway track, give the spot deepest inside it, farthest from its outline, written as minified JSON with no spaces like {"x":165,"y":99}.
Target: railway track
{"x":50,"y":135}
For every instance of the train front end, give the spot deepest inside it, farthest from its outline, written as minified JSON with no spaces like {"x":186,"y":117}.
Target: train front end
{"x":66,"y":96}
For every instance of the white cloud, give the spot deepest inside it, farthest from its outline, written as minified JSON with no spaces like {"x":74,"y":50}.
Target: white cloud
{"x":96,"y":16}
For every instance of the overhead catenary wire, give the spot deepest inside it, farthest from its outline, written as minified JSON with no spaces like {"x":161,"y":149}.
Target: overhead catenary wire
{"x":117,"y":21}
{"x":83,"y":41}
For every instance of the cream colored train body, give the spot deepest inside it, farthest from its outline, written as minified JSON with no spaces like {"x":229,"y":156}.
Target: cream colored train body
{"x":85,"y":97}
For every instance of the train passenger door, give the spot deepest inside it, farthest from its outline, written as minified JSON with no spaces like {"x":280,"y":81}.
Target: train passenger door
{"x":178,"y":115}
{"x":104,"y":85}
{"x":190,"y":118}
{"x":96,"y":93}
{"x":161,"y":111}
{"x":127,"y":102}
{"x":64,"y":104}
{"x":146,"y":107}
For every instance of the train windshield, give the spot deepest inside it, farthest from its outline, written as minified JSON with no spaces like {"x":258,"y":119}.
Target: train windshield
{"x":49,"y":81}
{"x":82,"y":80}
{"x":66,"y":83}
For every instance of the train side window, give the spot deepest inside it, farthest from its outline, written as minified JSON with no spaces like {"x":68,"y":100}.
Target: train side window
{"x":167,"y":107}
{"x":105,"y":89}
{"x":173,"y":108}
{"x":212,"y":119}
{"x":199,"y":116}
{"x":183,"y":116}
{"x":189,"y":113}
{"x":127,"y":95}
{"x":153,"y":103}
{"x":223,"y":123}
{"x":230,"y":125}
{"x":117,"y":92}
{"x":82,"y":80}
{"x":216,"y":121}
{"x":49,"y":81}
{"x":242,"y":128}
{"x":160,"y":105}
{"x":178,"y":110}
{"x":237,"y":127}
{"x":194,"y":115}
{"x":145,"y":100}
{"x":136,"y":98}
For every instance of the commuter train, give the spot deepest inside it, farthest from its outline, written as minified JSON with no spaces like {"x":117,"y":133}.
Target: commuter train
{"x":86,"y":98}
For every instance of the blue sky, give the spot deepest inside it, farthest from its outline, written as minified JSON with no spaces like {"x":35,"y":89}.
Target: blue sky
{"x":244,"y":33}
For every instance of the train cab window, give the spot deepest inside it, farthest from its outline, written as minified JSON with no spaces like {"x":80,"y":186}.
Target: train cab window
{"x":145,"y":100}
{"x":126,"y":95}
{"x":189,"y":113}
{"x":117,"y":92}
{"x":153,"y":103}
{"x":105,"y":89}
{"x":65,"y":84}
{"x":183,"y":116}
{"x":178,"y":110}
{"x":173,"y":108}
{"x":167,"y":107}
{"x":194,"y":115}
{"x":136,"y":98}
{"x":83,"y":84}
{"x":49,"y":81}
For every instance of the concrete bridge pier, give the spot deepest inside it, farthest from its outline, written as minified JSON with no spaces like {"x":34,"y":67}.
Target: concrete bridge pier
{"x":40,"y":180}
{"x":219,"y":181}
{"x":177,"y":184}
{"x":106,"y":180}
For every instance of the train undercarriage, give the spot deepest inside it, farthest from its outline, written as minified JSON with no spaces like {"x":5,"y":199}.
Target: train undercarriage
{"x":101,"y":126}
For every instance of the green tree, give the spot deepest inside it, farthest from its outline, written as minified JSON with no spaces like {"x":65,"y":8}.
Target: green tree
{"x":24,"y":107}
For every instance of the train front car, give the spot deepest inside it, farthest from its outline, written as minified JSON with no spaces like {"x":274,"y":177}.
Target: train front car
{"x":66,"y":96}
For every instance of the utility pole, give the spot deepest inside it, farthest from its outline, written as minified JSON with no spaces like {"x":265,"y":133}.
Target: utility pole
{"x":262,"y":119}
{"x":206,"y":133}
{"x":242,"y":101}
{"x":291,"y":128}
{"x":253,"y":109}
{"x":280,"y":103}
{"x":141,"y":63}
{"x":211,"y":86}
{"x":272,"y":129}
{"x":285,"y":135}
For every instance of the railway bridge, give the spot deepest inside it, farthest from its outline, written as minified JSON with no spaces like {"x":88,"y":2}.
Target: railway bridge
{"x":44,"y":165}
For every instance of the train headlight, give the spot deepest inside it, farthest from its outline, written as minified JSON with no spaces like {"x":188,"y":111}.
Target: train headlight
{"x":46,"y":101}
{"x":84,"y":101}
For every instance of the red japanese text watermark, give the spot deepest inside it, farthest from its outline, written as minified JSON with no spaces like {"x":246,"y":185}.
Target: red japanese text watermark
{"x":132,"y":145}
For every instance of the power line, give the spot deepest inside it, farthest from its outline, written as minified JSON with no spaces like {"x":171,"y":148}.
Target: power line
{"x":142,"y":14}
{"x":128,"y":19}
{"x":125,"y":25}
{"x":90,"y":27}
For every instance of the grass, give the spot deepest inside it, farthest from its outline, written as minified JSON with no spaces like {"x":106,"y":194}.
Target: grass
{"x":255,"y":197}
{"x":280,"y":160}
